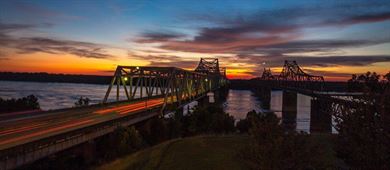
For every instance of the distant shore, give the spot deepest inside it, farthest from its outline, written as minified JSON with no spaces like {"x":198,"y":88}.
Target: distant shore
{"x":58,"y":78}
{"x":96,"y":79}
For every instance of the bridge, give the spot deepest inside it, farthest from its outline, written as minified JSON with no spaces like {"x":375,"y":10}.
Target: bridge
{"x":293,"y":80}
{"x":148,"y":91}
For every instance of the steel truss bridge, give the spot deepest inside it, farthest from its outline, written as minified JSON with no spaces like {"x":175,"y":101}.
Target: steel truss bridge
{"x":292,"y":77}
{"x":148,"y":91}
{"x":324,"y":104}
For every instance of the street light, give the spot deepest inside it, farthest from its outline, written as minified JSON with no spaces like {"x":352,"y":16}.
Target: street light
{"x":125,"y":78}
{"x":137,"y":68}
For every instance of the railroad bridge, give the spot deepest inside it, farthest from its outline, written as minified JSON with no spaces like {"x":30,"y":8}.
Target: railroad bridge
{"x":148,"y":91}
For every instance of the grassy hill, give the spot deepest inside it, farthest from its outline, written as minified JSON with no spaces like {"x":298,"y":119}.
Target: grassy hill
{"x":201,"y":152}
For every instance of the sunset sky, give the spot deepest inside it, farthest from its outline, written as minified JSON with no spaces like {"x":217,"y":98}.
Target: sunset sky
{"x":330,"y":38}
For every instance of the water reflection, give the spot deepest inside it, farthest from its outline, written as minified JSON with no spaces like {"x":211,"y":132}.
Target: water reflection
{"x":240,"y":102}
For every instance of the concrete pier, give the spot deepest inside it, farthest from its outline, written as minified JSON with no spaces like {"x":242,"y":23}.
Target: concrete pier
{"x":264,"y":93}
{"x":289,"y":110}
{"x":320,"y":117}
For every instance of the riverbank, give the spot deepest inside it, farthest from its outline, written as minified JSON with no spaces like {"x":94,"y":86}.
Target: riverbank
{"x":201,"y":152}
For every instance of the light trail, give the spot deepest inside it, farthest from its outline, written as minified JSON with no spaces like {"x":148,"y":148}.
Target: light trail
{"x":45,"y":131}
{"x":136,"y":109}
{"x":126,"y":107}
{"x":33,"y":128}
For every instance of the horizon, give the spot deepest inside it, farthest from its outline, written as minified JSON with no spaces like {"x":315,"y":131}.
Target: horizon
{"x":332,"y":39}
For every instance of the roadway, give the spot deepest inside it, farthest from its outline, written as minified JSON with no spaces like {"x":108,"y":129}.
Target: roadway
{"x":31,"y":127}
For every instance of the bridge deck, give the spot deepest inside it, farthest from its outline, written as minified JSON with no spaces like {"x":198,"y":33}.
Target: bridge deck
{"x":26,"y":128}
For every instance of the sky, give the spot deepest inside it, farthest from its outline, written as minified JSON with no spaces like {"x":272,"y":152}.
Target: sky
{"x":330,"y":38}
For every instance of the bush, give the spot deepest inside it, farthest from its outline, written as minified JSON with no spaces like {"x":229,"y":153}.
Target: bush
{"x":154,"y":131}
{"x":274,"y":148}
{"x":364,"y":128}
{"x":244,"y":125}
{"x":13,"y":105}
{"x":82,"y":102}
{"x":209,"y":119}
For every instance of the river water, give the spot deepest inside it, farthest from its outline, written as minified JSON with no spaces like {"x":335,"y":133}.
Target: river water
{"x":64,"y":95}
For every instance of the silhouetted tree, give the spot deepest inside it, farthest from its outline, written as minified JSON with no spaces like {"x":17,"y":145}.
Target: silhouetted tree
{"x":82,"y":102}
{"x":387,"y":76}
{"x":245,"y":124}
{"x":364,"y":128}
{"x":275,"y":148}
{"x":154,"y":131}
{"x":208,"y":119}
{"x":13,"y":105}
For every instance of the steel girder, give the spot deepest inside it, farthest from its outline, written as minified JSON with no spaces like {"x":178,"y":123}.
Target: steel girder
{"x":292,"y":72}
{"x":293,"y":76}
{"x":174,"y":84}
{"x":217,"y":75}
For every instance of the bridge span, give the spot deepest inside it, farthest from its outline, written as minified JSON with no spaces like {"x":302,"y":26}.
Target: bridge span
{"x":293,"y":80}
{"x":25,"y":138}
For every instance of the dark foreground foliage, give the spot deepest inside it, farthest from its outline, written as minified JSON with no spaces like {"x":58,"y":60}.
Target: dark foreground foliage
{"x":202,"y":120}
{"x":205,"y":120}
{"x":13,"y":105}
{"x":364,"y":129}
{"x":82,"y":102}
{"x":275,"y":148}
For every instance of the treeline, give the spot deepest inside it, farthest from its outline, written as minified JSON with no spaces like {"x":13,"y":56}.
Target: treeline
{"x":60,"y":78}
{"x":371,"y":82}
{"x":363,"y":141}
{"x":13,"y":105}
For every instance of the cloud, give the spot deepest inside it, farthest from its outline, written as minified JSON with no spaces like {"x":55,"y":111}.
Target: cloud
{"x":323,"y":61}
{"x":54,"y":46}
{"x":166,"y":60}
{"x":324,"y":47}
{"x":28,"y":45}
{"x":266,"y":29}
{"x":13,"y":27}
{"x":152,"y":37}
{"x":329,"y":73}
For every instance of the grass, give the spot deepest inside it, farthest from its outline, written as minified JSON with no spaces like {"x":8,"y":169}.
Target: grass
{"x":204,"y":152}
{"x":201,"y":152}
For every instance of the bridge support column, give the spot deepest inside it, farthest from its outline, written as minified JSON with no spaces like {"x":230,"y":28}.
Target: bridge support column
{"x":289,"y":110}
{"x":266,"y":98}
{"x":220,"y":95}
{"x":264,"y":94}
{"x":320,"y":117}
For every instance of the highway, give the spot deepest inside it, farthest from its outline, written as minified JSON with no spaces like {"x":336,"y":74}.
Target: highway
{"x":31,"y":127}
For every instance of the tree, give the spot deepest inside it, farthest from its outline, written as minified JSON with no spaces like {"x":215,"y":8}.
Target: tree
{"x":275,"y":148}
{"x":13,"y":105}
{"x":82,"y":102}
{"x":209,"y":119}
{"x":363,"y":139}
{"x":387,"y":76}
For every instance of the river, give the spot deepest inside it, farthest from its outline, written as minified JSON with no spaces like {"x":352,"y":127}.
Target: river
{"x":64,"y":95}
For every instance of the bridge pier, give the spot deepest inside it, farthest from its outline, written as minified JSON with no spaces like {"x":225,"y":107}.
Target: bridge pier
{"x":264,"y":93}
{"x":220,"y":95}
{"x":289,"y":110}
{"x":320,"y":117}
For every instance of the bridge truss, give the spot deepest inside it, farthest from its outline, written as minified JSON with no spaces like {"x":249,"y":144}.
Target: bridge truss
{"x":171,"y":83}
{"x":292,"y":76}
{"x":292,"y":72}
